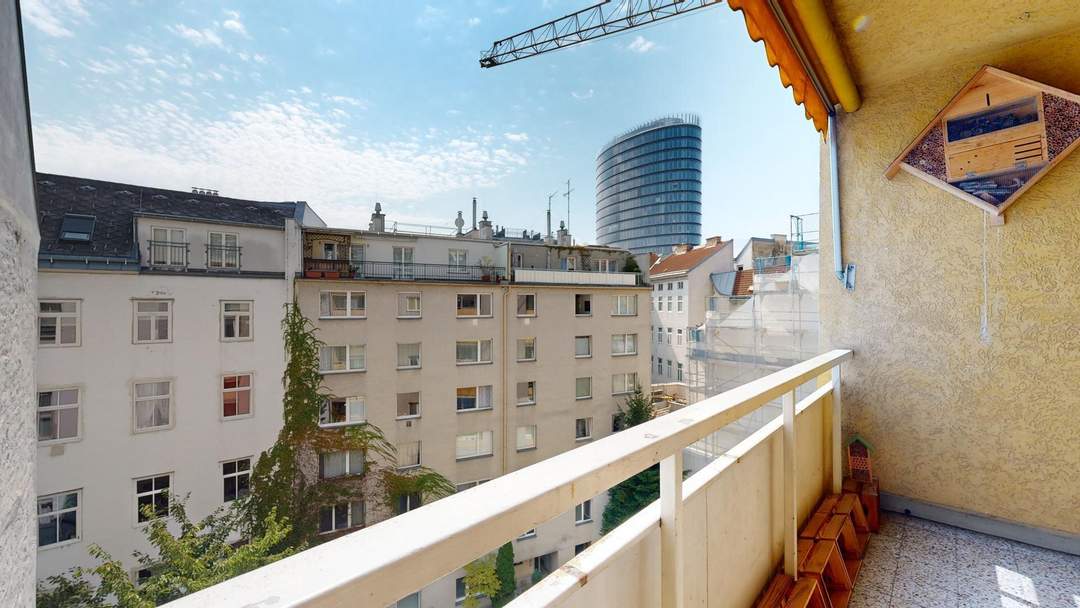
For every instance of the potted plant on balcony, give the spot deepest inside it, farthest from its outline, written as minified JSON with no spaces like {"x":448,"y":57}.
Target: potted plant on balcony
{"x":487,"y":269}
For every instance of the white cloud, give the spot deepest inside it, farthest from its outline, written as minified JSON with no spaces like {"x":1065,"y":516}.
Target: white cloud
{"x":345,"y":100}
{"x":640,"y":45}
{"x":473,"y":21}
{"x":103,"y":67}
{"x":582,"y":95}
{"x":430,"y":17}
{"x":54,"y":18}
{"x":203,"y":37}
{"x":233,"y":24}
{"x":516,"y":136}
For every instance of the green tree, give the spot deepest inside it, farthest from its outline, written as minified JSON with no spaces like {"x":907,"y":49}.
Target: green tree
{"x":286,"y":477}
{"x":480,"y":580}
{"x":504,"y":570}
{"x":631,"y":265}
{"x":203,"y":554}
{"x":635,"y":493}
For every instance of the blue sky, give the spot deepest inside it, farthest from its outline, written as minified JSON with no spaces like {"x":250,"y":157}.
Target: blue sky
{"x":341,"y":103}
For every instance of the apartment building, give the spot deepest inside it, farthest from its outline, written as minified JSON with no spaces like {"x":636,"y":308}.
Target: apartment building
{"x":473,"y":365}
{"x":159,"y":355}
{"x":681,"y":284}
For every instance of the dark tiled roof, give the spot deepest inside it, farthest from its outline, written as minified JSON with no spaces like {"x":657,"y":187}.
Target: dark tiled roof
{"x":114,"y":207}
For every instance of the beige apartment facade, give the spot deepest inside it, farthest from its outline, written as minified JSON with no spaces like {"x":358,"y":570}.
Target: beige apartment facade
{"x":471,"y":373}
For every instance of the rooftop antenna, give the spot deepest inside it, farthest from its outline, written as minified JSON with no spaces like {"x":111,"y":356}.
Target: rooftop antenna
{"x":567,"y":195}
{"x":550,"y":196}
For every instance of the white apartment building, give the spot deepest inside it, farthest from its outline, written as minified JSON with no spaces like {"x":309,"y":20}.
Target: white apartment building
{"x":680,"y":286}
{"x":473,"y":365}
{"x":159,"y":355}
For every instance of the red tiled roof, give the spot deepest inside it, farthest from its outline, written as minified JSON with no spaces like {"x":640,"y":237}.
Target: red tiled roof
{"x":678,"y":262}
{"x":744,"y":283}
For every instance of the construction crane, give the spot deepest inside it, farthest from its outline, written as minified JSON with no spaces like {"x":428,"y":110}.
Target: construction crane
{"x":602,"y":19}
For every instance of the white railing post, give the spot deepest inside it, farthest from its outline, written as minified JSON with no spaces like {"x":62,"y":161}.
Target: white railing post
{"x":671,"y":531}
{"x":837,"y":433}
{"x":791,"y":503}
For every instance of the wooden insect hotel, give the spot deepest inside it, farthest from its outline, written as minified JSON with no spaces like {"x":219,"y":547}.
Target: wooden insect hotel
{"x":859,"y":466}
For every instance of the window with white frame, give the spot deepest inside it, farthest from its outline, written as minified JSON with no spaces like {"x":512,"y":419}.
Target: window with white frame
{"x":605,"y":265}
{"x":235,"y":478}
{"x":408,"y":405}
{"x":526,"y":392}
{"x":152,"y":493}
{"x":168,"y":247}
{"x":623,"y":306}
{"x":582,"y":346}
{"x":349,"y":358}
{"x":469,"y":352}
{"x":526,"y":305}
{"x":341,"y":516}
{"x":153,"y":405}
{"x":153,"y":321}
{"x":583,"y":388}
{"x":526,"y":438}
{"x":582,"y":429}
{"x":659,"y":366}
{"x":679,"y":372}
{"x":669,"y":367}
{"x":583,"y":512}
{"x":236,"y":321}
{"x":623,"y":383}
{"x":474,"y":398}
{"x":527,"y":534}
{"x":341,"y":464}
{"x":330,"y":251}
{"x":342,"y":411}
{"x":458,"y":260}
{"x":406,"y":503}
{"x":582,"y":304}
{"x":403,"y":263}
{"x":473,"y":445}
{"x":235,"y":395}
{"x":659,"y":303}
{"x":408,"y":455}
{"x":343,"y":304}
{"x":58,"y":414}
{"x":461,"y":487}
{"x":623,"y":344}
{"x":669,"y":286}
{"x":669,"y":335}
{"x":474,"y":305}
{"x":58,"y":518}
{"x":678,"y":304}
{"x":526,"y":349}
{"x":659,"y":335}
{"x":461,"y":590}
{"x":58,"y":323}
{"x":223,"y":250}
{"x":678,"y":336}
{"x":409,"y":305}
{"x":679,"y":285}
{"x":408,"y":355}
{"x":669,"y":299}
{"x":569,"y":264}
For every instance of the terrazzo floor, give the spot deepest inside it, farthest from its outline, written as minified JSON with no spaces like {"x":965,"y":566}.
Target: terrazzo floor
{"x":914,"y":563}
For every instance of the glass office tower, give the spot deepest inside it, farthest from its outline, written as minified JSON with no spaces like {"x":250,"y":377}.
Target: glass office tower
{"x":648,"y":186}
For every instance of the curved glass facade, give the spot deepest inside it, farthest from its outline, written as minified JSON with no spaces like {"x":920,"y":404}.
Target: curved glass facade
{"x":648,"y":187}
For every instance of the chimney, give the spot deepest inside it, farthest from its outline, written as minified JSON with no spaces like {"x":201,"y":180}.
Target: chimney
{"x":563,"y":236}
{"x":459,"y":223}
{"x":681,"y":248}
{"x":474,"y":213}
{"x":378,"y":220}
{"x":486,"y":231}
{"x":713,"y":241}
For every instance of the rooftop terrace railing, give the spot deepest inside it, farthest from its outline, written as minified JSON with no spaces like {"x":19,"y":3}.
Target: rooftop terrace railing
{"x":577,"y":277}
{"x":401,"y":271}
{"x":721,"y":538}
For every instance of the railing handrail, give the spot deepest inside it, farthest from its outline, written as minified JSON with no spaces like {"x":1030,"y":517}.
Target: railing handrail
{"x":183,"y":246}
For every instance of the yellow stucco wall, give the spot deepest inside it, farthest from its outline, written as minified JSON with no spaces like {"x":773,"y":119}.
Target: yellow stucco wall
{"x":980,"y":417}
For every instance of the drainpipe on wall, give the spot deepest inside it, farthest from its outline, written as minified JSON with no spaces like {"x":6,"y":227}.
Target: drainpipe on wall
{"x":844,"y":275}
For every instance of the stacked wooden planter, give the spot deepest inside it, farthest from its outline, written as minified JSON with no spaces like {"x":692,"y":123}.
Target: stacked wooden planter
{"x":830,"y":552}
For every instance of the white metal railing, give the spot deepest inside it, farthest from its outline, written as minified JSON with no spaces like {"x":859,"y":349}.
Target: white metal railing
{"x":574,"y":277}
{"x":380,"y":564}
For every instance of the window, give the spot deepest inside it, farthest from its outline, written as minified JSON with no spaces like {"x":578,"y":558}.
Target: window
{"x":659,"y":366}
{"x":582,"y":429}
{"x":569,"y":264}
{"x":58,"y":518}
{"x":141,"y":576}
{"x":356,"y":256}
{"x":349,"y":358}
{"x":679,"y":285}
{"x":669,"y":367}
{"x":474,"y":398}
{"x":236,"y":478}
{"x":474,"y":305}
{"x":583,"y":388}
{"x":460,"y":591}
{"x":222,"y":250}
{"x":678,"y":372}
{"x":341,"y":516}
{"x":236,"y":395}
{"x":458,"y":260}
{"x":470,"y":352}
{"x":581,"y":547}
{"x":669,"y":335}
{"x":473,"y":445}
{"x":152,"y":493}
{"x":461,"y":487}
{"x":526,"y":305}
{"x":58,"y":414}
{"x":582,"y":304}
{"x":678,"y":303}
{"x":659,"y":335}
{"x":526,"y":392}
{"x":409,"y":601}
{"x":527,"y":534}
{"x":341,"y":411}
{"x":408,"y":305}
{"x":235,"y":321}
{"x":340,"y":464}
{"x":408,"y":455}
{"x":408,"y":405}
{"x":408,"y":502}
{"x":153,"y":320}
{"x":624,"y":306}
{"x":583,"y":512}
{"x":678,"y":336}
{"x":623,"y":383}
{"x":408,"y":355}
{"x":58,"y":323}
{"x":582,"y":346}
{"x":605,"y":265}
{"x":526,"y":349}
{"x":329,"y":251}
{"x":343,"y":305}
{"x":623,"y":344}
{"x":669,"y":299}
{"x":168,"y":247}
{"x":669,"y":286}
{"x":526,"y":438}
{"x":153,"y":405}
{"x":403,"y":259}
{"x":77,"y":228}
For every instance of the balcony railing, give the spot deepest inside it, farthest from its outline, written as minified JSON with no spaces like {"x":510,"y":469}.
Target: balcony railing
{"x":168,"y":254}
{"x":715,"y":538}
{"x":576,"y":277}
{"x":222,"y":257}
{"x":401,"y":271}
